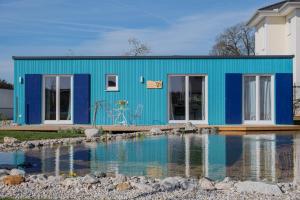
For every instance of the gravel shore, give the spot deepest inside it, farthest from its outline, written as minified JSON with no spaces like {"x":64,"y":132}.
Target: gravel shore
{"x":100,"y":186}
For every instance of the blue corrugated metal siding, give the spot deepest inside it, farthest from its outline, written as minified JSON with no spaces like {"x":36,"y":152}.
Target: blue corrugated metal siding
{"x":154,"y":100}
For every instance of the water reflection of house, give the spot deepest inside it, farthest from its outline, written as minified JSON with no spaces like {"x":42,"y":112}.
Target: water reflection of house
{"x":256,"y":157}
{"x":145,"y":157}
{"x":58,"y":160}
{"x":11,"y":159}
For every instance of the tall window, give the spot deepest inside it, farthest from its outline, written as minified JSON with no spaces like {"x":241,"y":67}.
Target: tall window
{"x":187,"y":98}
{"x":258,"y":98}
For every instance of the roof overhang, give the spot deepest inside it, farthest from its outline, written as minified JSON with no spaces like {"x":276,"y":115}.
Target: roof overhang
{"x":284,"y":10}
{"x":149,"y":57}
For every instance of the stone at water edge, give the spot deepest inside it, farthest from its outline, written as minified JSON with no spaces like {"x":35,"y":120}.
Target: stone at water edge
{"x":13,"y":180}
{"x":120,"y":178}
{"x":171,"y":183}
{"x":4,"y":172}
{"x":69,"y":182}
{"x":190,"y":127}
{"x":259,"y":187}
{"x":206,"y":184}
{"x":224,"y":185}
{"x":10,"y":140}
{"x":14,"y":172}
{"x":100,"y":174}
{"x":90,"y":179}
{"x":155,"y":131}
{"x":123,"y":186}
{"x":92,"y":132}
{"x":141,"y":186}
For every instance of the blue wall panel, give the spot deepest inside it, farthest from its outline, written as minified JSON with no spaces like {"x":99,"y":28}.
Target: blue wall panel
{"x":81,"y":99}
{"x":33,"y":99}
{"x":154,"y":100}
{"x":284,"y":98}
{"x":233,"y":98}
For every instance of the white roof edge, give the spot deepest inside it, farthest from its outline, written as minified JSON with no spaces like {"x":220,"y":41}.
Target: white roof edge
{"x":259,"y":14}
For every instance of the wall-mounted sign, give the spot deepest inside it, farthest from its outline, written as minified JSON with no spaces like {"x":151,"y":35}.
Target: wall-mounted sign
{"x":154,"y":84}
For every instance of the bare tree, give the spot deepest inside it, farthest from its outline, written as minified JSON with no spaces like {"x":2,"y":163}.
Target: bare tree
{"x":5,"y":85}
{"x":235,"y":41}
{"x":137,"y":48}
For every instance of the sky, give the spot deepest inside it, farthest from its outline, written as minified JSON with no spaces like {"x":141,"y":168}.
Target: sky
{"x":103,"y":27}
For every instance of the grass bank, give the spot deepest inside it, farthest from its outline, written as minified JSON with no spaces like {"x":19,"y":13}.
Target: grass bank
{"x":35,"y":135}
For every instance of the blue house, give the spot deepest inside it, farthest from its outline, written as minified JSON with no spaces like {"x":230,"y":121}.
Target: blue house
{"x":210,"y":90}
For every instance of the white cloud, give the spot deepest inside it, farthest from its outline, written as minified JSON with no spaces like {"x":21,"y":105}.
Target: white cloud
{"x":189,"y":35}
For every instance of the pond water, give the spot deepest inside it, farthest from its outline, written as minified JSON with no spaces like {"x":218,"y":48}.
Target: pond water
{"x":271,"y":158}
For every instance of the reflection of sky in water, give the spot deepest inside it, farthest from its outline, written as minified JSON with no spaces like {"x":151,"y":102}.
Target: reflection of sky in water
{"x":255,"y":157}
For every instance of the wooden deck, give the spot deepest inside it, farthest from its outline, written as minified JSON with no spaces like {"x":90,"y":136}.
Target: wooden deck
{"x":223,"y":129}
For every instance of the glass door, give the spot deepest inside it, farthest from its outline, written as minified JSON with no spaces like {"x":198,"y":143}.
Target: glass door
{"x":258,"y":99}
{"x":187,"y":99}
{"x":57,"y":103}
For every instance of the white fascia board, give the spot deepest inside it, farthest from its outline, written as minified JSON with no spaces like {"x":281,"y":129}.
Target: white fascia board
{"x":286,"y":9}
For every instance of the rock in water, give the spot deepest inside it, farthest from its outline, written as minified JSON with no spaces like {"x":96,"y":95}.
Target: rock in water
{"x":91,"y":133}
{"x":155,"y":131}
{"x":259,"y":187}
{"x":90,"y":179}
{"x":206,"y":184}
{"x":123,"y":186}
{"x":10,"y":140}
{"x":13,"y":180}
{"x":15,"y":172}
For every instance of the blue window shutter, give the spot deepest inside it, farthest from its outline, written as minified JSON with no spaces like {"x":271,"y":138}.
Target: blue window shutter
{"x":284,"y":98}
{"x":33,"y":98}
{"x":81,"y":99}
{"x":233,"y":98}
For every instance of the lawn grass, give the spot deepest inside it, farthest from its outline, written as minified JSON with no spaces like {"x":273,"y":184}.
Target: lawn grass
{"x":34,"y":135}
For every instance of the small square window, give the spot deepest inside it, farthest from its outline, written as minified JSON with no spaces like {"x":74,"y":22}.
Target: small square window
{"x":111,"y":82}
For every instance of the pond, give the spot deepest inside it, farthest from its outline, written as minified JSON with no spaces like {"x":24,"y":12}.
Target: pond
{"x":269,"y":157}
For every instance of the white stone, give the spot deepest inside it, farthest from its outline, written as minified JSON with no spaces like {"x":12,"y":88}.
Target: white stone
{"x":206,"y":184}
{"x":120,"y":178}
{"x":69,"y":182}
{"x":155,"y":131}
{"x":4,"y":172}
{"x":10,"y":140}
{"x":171,"y":183}
{"x":259,"y":187}
{"x":190,"y":127}
{"x":15,"y":172}
{"x":92,"y":132}
{"x":224,"y":185}
{"x":141,"y":186}
{"x":90,"y":179}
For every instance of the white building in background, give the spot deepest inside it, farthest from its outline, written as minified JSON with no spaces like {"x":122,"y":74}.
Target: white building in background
{"x":6,"y":103}
{"x":278,"y":31}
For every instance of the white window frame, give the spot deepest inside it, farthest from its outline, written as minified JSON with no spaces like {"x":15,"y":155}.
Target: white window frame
{"x":116,"y":88}
{"x":257,"y":82}
{"x":57,"y":120}
{"x":205,"y":121}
